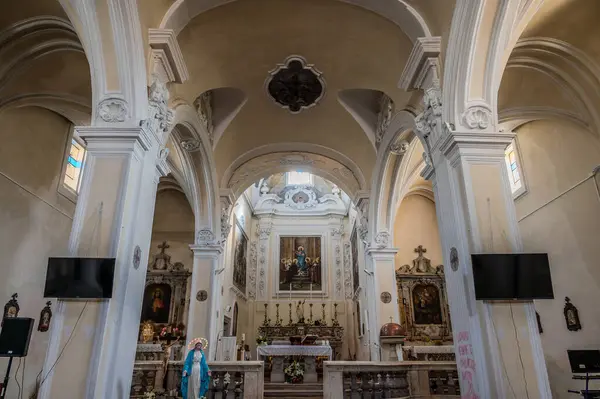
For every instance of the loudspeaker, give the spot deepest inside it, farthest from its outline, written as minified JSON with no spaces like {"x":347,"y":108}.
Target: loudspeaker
{"x":15,"y":336}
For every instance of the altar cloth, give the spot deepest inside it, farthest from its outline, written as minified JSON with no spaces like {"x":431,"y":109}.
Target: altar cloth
{"x":295,"y":350}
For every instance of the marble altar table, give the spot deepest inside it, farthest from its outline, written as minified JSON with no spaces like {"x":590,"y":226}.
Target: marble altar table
{"x":308,"y":352}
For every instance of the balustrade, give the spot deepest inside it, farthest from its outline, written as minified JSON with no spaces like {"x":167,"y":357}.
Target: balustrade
{"x":361,"y":380}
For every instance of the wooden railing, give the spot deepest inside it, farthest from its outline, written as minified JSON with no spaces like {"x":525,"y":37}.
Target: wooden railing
{"x":357,"y":380}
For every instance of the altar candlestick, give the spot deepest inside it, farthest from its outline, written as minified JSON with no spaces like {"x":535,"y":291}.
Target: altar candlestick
{"x":290,"y":291}
{"x":243,"y":337}
{"x":310,"y":292}
{"x":291,"y":321}
{"x":311,"y":315}
{"x":323,"y":318}
{"x":266,"y":322}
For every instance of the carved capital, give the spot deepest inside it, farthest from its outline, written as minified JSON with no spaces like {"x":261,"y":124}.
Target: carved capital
{"x":263,"y":232}
{"x":160,"y":117}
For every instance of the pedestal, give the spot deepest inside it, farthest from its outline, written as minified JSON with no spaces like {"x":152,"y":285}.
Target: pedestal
{"x":277,"y":374}
{"x":310,"y":369}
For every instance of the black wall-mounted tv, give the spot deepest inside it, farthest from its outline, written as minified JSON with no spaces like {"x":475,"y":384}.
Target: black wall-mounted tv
{"x":83,"y":278}
{"x":512,"y":276}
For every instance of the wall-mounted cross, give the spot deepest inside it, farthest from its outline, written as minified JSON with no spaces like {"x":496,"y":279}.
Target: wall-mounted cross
{"x":420,"y":250}
{"x":163,"y":246}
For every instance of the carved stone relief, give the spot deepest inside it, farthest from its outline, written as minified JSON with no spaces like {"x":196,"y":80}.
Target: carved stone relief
{"x":301,"y":198}
{"x":204,"y":107}
{"x":160,"y":116}
{"x":399,"y":147}
{"x":384,"y":117}
{"x":205,"y":237}
{"x":190,"y":145}
{"x":113,"y":110}
{"x":262,"y":273}
{"x":429,"y":122}
{"x":348,"y":270}
{"x":338,"y":270}
{"x":382,"y":239}
{"x":252,"y":271}
{"x":477,"y":117}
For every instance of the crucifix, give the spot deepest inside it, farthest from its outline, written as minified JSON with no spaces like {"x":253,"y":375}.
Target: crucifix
{"x":420,"y":250}
{"x":163,"y":246}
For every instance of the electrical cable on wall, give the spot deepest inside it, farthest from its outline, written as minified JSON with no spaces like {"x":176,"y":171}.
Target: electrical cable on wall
{"x":512,"y":316}
{"x":502,"y":357}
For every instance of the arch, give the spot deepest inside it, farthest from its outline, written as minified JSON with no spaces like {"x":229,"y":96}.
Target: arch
{"x":513,"y":118}
{"x":386,"y":169}
{"x":196,"y":155}
{"x":397,"y":11}
{"x":72,"y":108}
{"x":317,"y":159}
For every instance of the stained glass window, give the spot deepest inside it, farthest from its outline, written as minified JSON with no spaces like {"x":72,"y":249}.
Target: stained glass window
{"x":512,"y":164}
{"x":74,"y":165}
{"x":298,"y":178}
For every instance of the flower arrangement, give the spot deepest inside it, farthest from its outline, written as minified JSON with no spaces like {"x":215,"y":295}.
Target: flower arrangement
{"x":294,"y":373}
{"x":260,"y":340}
{"x":149,"y":395}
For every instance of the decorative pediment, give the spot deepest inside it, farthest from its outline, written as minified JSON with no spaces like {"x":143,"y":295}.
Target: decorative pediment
{"x":300,"y":198}
{"x":421,"y":265}
{"x":304,"y":199}
{"x":162,"y":261}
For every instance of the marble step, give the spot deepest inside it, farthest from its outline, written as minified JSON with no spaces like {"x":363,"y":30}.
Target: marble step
{"x":294,"y":391}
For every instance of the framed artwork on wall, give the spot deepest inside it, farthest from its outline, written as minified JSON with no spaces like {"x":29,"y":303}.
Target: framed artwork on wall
{"x":239,"y":257}
{"x":156,"y":306}
{"x":300,"y":265}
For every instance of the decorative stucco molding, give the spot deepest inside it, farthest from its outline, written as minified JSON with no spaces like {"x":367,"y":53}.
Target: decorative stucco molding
{"x":204,"y":107}
{"x":113,"y":110}
{"x":160,"y":116}
{"x":382,"y":239}
{"x":167,"y":55}
{"x":477,"y":117}
{"x":348,"y":270}
{"x":252,"y":271}
{"x":399,"y":147}
{"x":205,"y":237}
{"x":422,"y":64}
{"x":190,"y":145}
{"x":384,"y":117}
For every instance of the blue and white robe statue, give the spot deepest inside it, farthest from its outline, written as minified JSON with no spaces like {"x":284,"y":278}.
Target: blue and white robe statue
{"x":195,"y":380}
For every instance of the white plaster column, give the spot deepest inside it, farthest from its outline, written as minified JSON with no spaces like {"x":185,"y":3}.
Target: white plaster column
{"x":265,"y":226}
{"x":383,"y":264}
{"x":206,"y":293}
{"x":497,"y":345}
{"x":336,"y":229}
{"x":113,"y":218}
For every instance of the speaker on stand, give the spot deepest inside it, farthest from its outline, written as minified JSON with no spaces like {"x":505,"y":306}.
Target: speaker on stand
{"x":14,"y":342}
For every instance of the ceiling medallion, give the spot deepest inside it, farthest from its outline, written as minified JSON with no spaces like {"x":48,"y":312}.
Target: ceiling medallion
{"x":295,"y":85}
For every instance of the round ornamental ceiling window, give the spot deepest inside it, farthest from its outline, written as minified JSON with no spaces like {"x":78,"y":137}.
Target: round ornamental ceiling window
{"x":295,"y":85}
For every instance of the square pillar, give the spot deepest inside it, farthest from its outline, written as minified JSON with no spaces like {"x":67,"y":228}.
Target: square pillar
{"x":497,"y":344}
{"x":113,"y":218}
{"x":205,"y":295}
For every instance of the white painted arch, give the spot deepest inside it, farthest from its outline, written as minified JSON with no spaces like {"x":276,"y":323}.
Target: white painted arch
{"x":397,"y":11}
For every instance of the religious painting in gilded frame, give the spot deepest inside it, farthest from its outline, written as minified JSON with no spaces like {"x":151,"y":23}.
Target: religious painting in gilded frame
{"x":157,"y":303}
{"x":239,"y":257}
{"x":300,"y":267}
{"x":354,"y":248}
{"x":426,"y":304}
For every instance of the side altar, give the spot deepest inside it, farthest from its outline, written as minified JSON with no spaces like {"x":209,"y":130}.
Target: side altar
{"x":425,"y":331}
{"x":162,"y":339}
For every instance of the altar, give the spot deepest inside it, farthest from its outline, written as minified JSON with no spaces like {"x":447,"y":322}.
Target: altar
{"x":278,"y":353}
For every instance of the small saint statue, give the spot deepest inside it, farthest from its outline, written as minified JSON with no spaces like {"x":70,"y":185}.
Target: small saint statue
{"x":300,"y":311}
{"x":571,"y":316}
{"x":196,"y":374}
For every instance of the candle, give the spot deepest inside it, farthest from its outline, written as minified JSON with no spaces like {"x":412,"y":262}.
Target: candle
{"x":243,"y":337}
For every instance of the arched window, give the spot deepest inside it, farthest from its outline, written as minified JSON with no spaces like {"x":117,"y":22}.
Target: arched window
{"x":515,"y":171}
{"x":72,"y":168}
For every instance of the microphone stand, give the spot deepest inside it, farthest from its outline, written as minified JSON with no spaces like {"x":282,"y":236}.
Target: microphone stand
{"x":6,"y":378}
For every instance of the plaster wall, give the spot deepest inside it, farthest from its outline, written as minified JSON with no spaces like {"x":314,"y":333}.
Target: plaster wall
{"x":36,"y":220}
{"x":416,"y":224}
{"x":556,"y":155}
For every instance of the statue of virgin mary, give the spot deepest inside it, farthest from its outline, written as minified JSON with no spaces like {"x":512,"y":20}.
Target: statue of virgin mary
{"x":196,"y":375}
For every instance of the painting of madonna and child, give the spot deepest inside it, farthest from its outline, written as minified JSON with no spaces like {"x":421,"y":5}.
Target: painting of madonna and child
{"x":300,"y":264}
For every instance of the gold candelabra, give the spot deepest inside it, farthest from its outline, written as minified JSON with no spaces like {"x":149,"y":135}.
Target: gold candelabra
{"x":266,"y":321}
{"x":277,"y":319}
{"x":310,"y":318}
{"x":323,"y":314}
{"x":334,"y":321}
{"x":291,"y":321}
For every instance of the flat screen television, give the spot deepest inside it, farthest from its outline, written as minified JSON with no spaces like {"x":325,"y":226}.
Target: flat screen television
{"x":79,"y":278}
{"x":512,"y":276}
